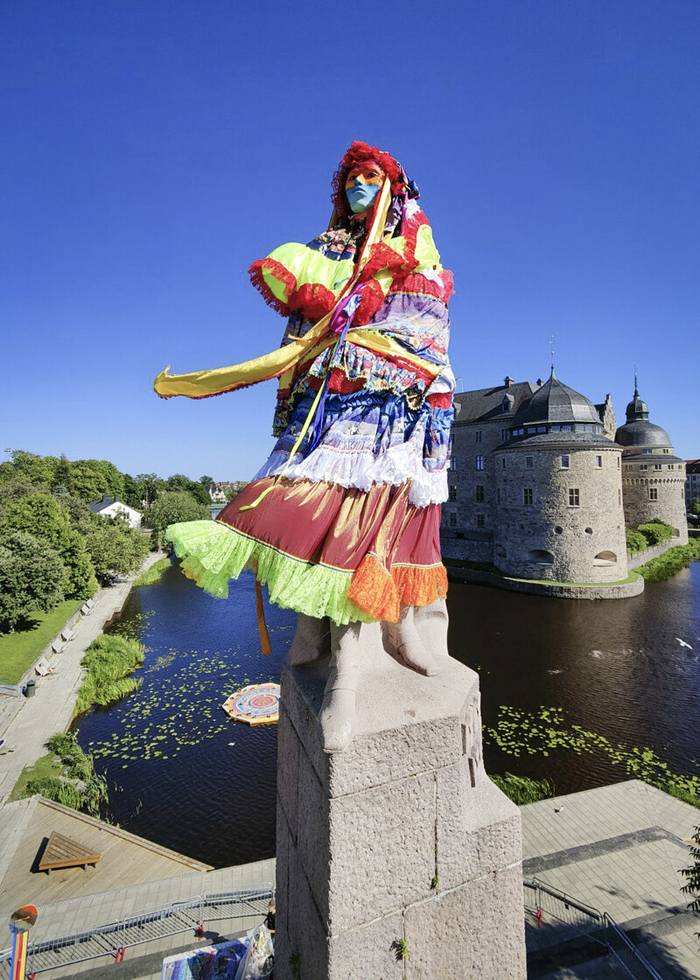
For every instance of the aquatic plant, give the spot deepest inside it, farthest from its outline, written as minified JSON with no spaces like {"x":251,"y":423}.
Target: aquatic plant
{"x":154,"y":573}
{"x":519,"y":732}
{"x":109,"y":660}
{"x":521,"y":789}
{"x":66,"y":775}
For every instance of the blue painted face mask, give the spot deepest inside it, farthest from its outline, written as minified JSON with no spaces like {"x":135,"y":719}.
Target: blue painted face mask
{"x":361,"y":197}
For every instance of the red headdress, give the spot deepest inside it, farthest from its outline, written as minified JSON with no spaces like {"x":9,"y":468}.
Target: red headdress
{"x":360,"y":153}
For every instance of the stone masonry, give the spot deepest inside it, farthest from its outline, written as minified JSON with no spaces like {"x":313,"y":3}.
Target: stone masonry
{"x":401,"y":843}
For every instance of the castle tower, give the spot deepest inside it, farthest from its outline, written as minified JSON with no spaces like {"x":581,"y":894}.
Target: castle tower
{"x":559,"y":492}
{"x":653,"y":479}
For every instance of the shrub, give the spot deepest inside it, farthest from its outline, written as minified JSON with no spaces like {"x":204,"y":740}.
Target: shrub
{"x":671,"y":561}
{"x":636,"y":542}
{"x":655,"y":532}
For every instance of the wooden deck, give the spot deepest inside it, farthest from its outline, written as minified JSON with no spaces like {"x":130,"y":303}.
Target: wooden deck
{"x":125,"y":859}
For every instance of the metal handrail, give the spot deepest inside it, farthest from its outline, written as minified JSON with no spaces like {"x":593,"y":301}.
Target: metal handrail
{"x":169,"y":920}
{"x":614,"y":938}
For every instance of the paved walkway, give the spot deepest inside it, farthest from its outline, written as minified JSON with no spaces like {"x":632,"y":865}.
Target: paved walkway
{"x":26,"y":723}
{"x":618,"y":849}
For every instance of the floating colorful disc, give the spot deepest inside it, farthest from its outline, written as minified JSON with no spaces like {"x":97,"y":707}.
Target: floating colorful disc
{"x":257,"y":704}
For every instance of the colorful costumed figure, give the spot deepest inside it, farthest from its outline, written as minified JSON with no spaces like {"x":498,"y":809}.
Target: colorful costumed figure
{"x":342,"y":522}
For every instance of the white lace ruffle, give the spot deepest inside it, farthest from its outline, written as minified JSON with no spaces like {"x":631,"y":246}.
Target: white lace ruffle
{"x":397,"y":465}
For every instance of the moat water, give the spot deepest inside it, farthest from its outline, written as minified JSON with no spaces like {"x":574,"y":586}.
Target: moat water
{"x":182,"y":774}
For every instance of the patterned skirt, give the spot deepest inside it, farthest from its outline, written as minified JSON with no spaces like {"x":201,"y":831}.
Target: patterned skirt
{"x":352,"y":528}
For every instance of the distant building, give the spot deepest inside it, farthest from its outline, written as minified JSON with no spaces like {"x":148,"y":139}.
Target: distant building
{"x":692,"y":481}
{"x":227,"y":490}
{"x":541,"y":483}
{"x":107,"y":507}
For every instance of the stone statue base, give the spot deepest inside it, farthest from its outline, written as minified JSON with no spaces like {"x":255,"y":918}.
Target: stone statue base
{"x":398,"y":857}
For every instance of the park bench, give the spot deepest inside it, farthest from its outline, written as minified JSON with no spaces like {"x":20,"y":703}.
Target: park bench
{"x":62,"y":852}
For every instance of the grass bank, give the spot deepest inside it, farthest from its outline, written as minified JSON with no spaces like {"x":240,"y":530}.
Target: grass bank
{"x":671,"y":561}
{"x":109,"y":659}
{"x":20,"y":649}
{"x":154,"y":573}
{"x":65,"y":774}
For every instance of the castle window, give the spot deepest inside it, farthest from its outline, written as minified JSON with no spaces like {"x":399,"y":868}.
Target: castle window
{"x":453,"y":463}
{"x":565,"y":462}
{"x":477,"y":435}
{"x":647,"y":452}
{"x":531,"y":430}
{"x":653,"y":493}
{"x":453,"y":519}
{"x":479,"y":494}
{"x":527,"y":496}
{"x":498,"y":495}
{"x":479,"y":520}
{"x":503,"y":462}
{"x":574,"y":497}
{"x":644,"y":466}
{"x":657,"y":466}
{"x":555,"y":428}
{"x":480,"y":460}
{"x":540,"y":557}
{"x":541,"y":428}
{"x":667,"y":451}
{"x":599,"y":461}
{"x":453,"y":493}
{"x":504,"y":435}
{"x":529,"y":462}
{"x":567,"y":428}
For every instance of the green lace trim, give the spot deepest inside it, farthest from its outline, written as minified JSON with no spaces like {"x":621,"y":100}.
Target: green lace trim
{"x":212,"y":553}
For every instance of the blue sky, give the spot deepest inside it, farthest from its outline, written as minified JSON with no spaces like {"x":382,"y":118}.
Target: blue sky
{"x":152,"y":149}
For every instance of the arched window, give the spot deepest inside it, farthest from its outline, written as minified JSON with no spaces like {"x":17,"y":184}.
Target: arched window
{"x":540,"y":557}
{"x":605,"y":558}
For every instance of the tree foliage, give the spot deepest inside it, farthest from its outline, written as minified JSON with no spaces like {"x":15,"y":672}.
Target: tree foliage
{"x":695,"y":507}
{"x":32,"y":577}
{"x":174,"y":506}
{"x":114,"y":547}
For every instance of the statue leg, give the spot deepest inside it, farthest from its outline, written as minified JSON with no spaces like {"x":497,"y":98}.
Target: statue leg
{"x":337,"y":718}
{"x":312,"y":639}
{"x":420,"y":636}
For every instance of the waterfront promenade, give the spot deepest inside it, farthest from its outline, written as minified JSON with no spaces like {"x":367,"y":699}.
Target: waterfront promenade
{"x":26,"y":723}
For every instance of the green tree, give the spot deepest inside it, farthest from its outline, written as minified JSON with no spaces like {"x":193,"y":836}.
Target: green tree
{"x":171,"y":507}
{"x":62,"y":475}
{"x":150,"y":485}
{"x":692,"y":874}
{"x":132,"y":497}
{"x":182,"y":483}
{"x":43,"y":516}
{"x":695,"y":507}
{"x":114,"y":547}
{"x":32,"y":577}
{"x":37,"y":469}
{"x":206,"y":480}
{"x":87,"y":481}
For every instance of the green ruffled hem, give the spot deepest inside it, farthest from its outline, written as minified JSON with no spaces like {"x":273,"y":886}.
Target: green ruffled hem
{"x":212,"y":553}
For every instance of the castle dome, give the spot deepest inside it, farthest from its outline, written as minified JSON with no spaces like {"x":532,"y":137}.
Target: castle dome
{"x":638,"y":432}
{"x":556,"y":402}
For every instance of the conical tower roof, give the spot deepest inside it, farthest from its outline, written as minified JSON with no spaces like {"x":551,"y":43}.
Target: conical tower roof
{"x":556,"y":402}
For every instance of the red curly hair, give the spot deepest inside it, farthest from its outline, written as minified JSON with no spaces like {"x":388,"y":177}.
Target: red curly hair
{"x":358,"y":153}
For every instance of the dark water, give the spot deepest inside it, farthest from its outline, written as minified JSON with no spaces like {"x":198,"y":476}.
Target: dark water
{"x":615,"y":668}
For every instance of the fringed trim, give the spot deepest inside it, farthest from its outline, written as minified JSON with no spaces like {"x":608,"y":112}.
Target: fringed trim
{"x":419,"y":585}
{"x":212,"y":553}
{"x":383,"y":256}
{"x":283,"y":275}
{"x":415,"y":283}
{"x":380,"y":593}
{"x":374,"y":591}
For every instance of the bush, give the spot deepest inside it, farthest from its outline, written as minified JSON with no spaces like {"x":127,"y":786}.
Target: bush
{"x":32,"y":578}
{"x":636,"y":542}
{"x":655,"y":532}
{"x":671,"y":561}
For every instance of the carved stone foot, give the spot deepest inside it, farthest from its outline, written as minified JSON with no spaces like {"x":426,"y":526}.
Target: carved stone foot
{"x":337,"y":717}
{"x":416,"y":639}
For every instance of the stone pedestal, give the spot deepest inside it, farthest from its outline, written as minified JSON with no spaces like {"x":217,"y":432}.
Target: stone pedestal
{"x":400,"y":844}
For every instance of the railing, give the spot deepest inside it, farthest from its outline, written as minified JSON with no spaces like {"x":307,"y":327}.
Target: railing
{"x":585,"y":920}
{"x":145,"y":927}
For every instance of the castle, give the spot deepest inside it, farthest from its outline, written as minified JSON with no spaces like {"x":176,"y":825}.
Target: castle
{"x":542,"y":484}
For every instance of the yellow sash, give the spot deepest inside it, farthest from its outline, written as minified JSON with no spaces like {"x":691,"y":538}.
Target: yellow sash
{"x":286,"y":361}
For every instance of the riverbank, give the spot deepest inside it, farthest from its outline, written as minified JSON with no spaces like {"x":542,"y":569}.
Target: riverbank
{"x":26,"y":723}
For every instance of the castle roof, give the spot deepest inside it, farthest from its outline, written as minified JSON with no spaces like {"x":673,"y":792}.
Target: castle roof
{"x":485,"y":404}
{"x":638,"y":432}
{"x":556,"y":402}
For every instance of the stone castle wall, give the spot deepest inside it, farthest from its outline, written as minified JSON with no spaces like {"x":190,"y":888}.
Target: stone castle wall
{"x":655,"y":488}
{"x":541,"y":533}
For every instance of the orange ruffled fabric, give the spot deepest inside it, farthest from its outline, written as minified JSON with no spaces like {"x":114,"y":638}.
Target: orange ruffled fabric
{"x":379,"y":592}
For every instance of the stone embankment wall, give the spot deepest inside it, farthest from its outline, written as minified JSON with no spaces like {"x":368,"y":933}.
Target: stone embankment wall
{"x":556,"y":589}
